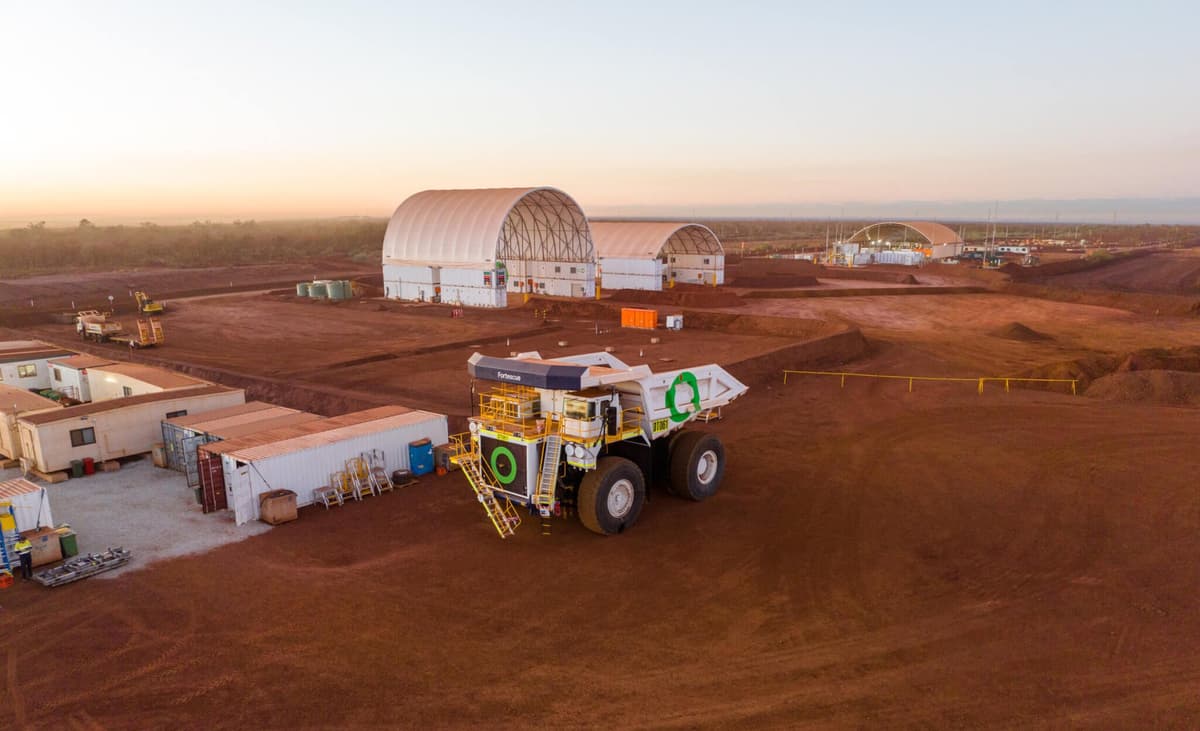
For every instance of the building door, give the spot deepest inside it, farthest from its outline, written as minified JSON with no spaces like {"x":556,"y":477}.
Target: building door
{"x":189,"y":451}
{"x":212,"y":482}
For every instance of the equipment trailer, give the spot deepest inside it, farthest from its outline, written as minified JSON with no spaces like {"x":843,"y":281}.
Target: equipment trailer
{"x":589,"y":431}
{"x":83,"y":567}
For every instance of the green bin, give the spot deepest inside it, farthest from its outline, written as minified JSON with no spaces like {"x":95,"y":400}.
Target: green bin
{"x":77,"y":468}
{"x":69,"y":543}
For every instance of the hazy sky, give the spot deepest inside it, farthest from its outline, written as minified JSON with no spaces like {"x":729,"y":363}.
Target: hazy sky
{"x":175,"y":110}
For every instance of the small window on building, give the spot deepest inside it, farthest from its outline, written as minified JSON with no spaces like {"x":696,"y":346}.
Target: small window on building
{"x":27,"y":370}
{"x":706,"y":261}
{"x":126,"y":390}
{"x":173,"y":414}
{"x":80,"y":437}
{"x":57,"y":375}
{"x":558,"y":270}
{"x":572,"y":270}
{"x":672,"y":260}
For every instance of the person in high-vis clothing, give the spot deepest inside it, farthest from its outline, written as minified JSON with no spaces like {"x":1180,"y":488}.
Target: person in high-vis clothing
{"x":24,"y":550}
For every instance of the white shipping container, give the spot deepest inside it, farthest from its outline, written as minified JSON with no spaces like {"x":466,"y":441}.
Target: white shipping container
{"x":304,"y":463}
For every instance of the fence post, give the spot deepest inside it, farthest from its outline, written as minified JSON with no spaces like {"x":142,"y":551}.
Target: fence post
{"x":910,"y":385}
{"x":843,"y":380}
{"x":980,"y":386}
{"x":1005,"y":385}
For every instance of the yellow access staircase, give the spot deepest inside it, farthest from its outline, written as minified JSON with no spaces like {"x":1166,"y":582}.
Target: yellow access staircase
{"x":499,"y":510}
{"x":543,"y":498}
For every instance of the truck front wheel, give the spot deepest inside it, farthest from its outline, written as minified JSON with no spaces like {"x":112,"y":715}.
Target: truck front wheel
{"x":611,"y":496}
{"x":697,"y":465}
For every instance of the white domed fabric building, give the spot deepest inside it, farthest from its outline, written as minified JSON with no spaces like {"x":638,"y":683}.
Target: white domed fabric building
{"x":654,"y":254}
{"x":472,"y":247}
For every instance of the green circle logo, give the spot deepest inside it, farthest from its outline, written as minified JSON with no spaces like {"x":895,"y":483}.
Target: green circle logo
{"x":688,"y":378}
{"x":507,"y":477}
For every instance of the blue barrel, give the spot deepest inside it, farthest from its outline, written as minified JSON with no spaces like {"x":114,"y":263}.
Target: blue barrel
{"x":336,"y":290}
{"x":318,"y":290}
{"x":420,"y":457}
{"x":302,"y":289}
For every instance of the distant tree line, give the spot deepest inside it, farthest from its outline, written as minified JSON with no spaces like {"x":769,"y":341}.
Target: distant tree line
{"x":37,"y":248}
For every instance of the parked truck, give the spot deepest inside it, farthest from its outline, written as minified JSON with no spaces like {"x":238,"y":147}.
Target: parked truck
{"x":590,"y":433}
{"x":95,"y":325}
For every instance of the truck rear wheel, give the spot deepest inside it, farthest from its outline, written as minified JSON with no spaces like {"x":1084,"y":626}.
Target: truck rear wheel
{"x":611,"y":496}
{"x":697,"y":465}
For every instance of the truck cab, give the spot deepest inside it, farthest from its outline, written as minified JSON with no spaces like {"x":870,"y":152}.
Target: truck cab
{"x":591,"y":414}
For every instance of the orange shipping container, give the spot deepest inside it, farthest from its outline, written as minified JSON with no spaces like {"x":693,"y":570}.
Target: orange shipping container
{"x":639,"y":318}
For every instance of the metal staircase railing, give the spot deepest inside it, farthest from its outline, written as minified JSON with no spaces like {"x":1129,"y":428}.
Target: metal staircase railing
{"x":500,"y":511}
{"x":548,"y":477}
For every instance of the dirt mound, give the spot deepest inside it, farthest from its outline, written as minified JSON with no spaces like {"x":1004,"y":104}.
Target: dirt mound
{"x":1084,"y":370}
{"x":680,"y":296}
{"x":1168,"y":388}
{"x":1162,"y":359}
{"x":776,"y":281}
{"x":1153,"y":272}
{"x":906,"y":279}
{"x":1019,"y":331}
{"x":1149,"y":304}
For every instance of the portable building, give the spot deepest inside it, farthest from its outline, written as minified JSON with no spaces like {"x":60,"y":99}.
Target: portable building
{"x":945,"y":251}
{"x":30,"y":504}
{"x":903,"y":257}
{"x":655,"y":254}
{"x":69,"y":376}
{"x":15,"y":403}
{"x":120,"y":427}
{"x":474,"y":246}
{"x":234,"y":473}
{"x":121,"y":380}
{"x":28,"y":367}
{"x":183,"y":434}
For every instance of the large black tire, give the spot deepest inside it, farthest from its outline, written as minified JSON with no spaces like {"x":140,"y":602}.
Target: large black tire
{"x":611,"y":496}
{"x":697,"y":465}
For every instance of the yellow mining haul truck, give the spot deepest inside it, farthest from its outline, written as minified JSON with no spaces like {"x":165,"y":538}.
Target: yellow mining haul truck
{"x":589,"y":432}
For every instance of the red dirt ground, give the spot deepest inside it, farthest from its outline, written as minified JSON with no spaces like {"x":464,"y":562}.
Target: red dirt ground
{"x":1175,"y":272}
{"x":875,"y":558}
{"x":91,"y":289}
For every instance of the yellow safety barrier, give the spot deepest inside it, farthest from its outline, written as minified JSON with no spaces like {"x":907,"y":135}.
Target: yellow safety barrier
{"x":980,"y":381}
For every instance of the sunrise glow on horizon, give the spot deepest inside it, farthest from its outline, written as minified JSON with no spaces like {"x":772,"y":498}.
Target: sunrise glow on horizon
{"x":119,"y":111}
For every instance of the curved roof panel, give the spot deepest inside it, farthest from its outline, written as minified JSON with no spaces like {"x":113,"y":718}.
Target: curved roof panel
{"x":935,"y":233}
{"x":482,"y":225}
{"x":649,"y":239}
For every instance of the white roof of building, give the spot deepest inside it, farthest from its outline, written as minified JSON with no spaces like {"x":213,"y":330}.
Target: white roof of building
{"x":489,"y":224}
{"x":16,"y":487}
{"x":650,"y":239}
{"x":16,"y":400}
{"x":369,"y":424}
{"x":150,"y":375}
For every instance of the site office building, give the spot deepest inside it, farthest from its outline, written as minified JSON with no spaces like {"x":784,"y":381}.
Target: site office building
{"x":474,"y":247}
{"x":28,"y":368}
{"x":104,"y":430}
{"x":121,"y":380}
{"x":15,"y":403}
{"x":69,"y":376}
